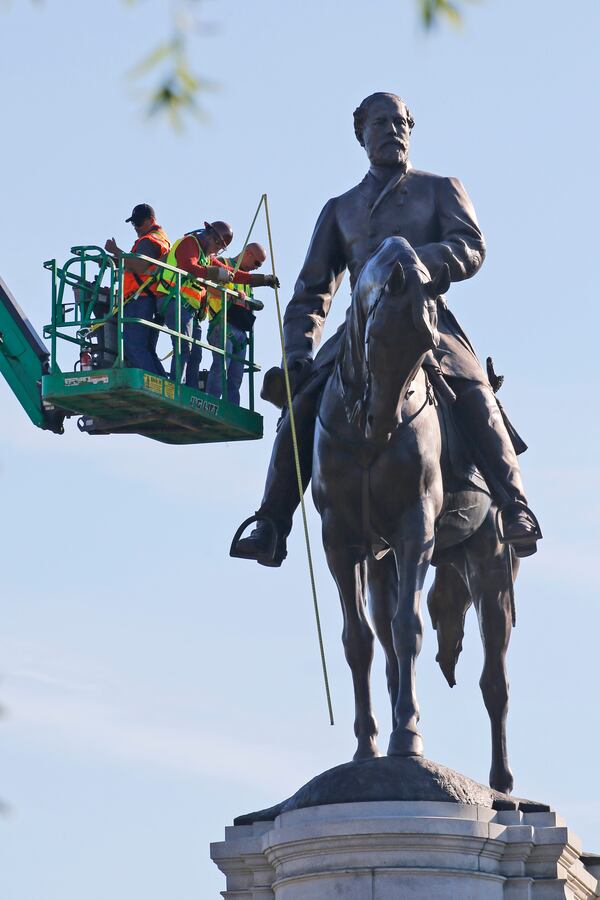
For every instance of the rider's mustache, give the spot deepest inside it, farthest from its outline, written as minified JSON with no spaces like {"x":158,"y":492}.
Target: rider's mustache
{"x":394,"y":142}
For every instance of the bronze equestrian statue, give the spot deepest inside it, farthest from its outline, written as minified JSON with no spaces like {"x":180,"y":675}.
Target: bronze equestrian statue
{"x":387,"y":459}
{"x":436,"y":217}
{"x":390,"y":497}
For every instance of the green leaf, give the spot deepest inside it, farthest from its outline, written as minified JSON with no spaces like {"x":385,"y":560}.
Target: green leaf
{"x":432,"y":11}
{"x":153,"y":59}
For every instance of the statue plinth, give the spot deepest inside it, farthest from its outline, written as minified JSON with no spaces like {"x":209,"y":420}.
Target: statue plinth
{"x":474,"y":844}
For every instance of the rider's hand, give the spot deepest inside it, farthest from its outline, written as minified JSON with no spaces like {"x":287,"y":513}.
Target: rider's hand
{"x":111,"y":247}
{"x":273,"y":388}
{"x":299,"y":372}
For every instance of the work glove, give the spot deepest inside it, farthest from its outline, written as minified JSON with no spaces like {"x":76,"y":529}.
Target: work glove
{"x":265,"y":281}
{"x":218,"y":274}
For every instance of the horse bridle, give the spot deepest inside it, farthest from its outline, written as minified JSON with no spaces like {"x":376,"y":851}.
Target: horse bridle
{"x":353,"y":415}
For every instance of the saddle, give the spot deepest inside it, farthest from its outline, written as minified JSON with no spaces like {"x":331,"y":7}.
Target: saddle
{"x":467,"y":496}
{"x":458,"y":465}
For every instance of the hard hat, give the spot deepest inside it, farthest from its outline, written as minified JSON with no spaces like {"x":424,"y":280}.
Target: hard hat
{"x":223,"y":231}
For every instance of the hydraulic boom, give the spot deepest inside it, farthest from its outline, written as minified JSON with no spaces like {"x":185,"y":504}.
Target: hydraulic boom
{"x":24,"y":359}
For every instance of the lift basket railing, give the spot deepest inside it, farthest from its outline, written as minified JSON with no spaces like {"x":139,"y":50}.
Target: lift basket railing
{"x":94,"y":316}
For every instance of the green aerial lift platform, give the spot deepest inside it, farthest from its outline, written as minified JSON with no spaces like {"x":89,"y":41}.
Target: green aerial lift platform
{"x":99,"y":388}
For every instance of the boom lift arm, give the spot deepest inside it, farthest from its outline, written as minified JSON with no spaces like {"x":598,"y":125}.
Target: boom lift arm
{"x":23,"y":360}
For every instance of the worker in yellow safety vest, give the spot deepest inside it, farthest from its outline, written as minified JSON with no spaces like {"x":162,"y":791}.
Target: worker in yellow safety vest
{"x":240,"y":321}
{"x":193,"y":253}
{"x":196,"y":254}
{"x":139,"y":291}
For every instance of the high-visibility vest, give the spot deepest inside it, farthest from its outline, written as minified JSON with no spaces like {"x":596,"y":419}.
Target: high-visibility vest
{"x":132,"y":281}
{"x":191,"y":293}
{"x":215,"y":298}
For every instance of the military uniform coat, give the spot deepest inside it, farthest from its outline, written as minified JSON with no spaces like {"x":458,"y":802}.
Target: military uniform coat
{"x":433,"y":213}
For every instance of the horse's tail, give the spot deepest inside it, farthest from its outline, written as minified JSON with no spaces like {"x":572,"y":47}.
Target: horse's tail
{"x":448,"y":602}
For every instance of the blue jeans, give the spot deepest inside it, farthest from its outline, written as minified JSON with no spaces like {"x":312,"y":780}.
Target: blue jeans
{"x":237,"y":341}
{"x":138,"y":344}
{"x":187,"y":323}
{"x":192,"y":375}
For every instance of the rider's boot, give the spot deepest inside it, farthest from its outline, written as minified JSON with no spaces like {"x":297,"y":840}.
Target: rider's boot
{"x":480,"y":416}
{"x":267,"y":542}
{"x":520,"y":527}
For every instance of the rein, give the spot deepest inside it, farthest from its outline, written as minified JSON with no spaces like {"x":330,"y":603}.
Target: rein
{"x":353,"y":415}
{"x":362,"y":440}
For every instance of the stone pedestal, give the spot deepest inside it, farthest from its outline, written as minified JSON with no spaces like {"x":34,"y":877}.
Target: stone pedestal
{"x":406,"y":850}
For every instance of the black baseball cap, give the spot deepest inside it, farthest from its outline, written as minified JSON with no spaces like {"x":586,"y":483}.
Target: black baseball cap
{"x":140,"y":213}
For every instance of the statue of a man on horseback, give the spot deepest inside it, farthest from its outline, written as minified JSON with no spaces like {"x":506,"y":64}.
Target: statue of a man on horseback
{"x":384,"y":449}
{"x":436,"y":217}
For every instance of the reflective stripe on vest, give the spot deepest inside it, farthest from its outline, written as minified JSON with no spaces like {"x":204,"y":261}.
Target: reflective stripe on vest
{"x":215,"y":298}
{"x":132,"y":281}
{"x":191,"y":293}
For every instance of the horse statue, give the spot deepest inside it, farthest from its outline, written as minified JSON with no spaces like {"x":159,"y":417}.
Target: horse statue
{"x":390,"y":505}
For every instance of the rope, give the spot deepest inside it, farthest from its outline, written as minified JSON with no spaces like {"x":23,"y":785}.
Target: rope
{"x":243,"y":250}
{"x":152,"y":277}
{"x":264,"y":200}
{"x":298,"y":472}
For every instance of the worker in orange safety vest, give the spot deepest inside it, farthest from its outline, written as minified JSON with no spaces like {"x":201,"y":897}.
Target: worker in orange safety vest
{"x":139,"y":291}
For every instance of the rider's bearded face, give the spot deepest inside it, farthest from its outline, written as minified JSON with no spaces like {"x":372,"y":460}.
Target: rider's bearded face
{"x":386,"y":132}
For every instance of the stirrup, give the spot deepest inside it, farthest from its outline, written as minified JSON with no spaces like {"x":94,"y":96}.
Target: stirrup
{"x":269,"y":554}
{"x":526,"y":540}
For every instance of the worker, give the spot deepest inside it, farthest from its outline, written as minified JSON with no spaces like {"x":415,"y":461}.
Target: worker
{"x":139,"y":293}
{"x":196,"y":253}
{"x":240,"y":320}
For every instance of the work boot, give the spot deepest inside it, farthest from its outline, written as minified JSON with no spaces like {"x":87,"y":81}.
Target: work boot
{"x":267,"y":543}
{"x":520,"y":528}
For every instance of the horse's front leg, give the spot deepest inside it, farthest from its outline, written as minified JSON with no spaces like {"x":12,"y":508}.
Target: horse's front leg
{"x":382,"y":579}
{"x":412,"y":559}
{"x":348,"y":570}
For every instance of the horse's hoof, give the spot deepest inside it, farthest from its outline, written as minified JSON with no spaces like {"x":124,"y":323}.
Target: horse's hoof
{"x":405,"y":743}
{"x":367,"y":749}
{"x":501,"y":780}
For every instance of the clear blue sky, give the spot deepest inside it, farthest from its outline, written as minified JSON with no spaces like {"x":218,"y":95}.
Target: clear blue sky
{"x":153,"y":687}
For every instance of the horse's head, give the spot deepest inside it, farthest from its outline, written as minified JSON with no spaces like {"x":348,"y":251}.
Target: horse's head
{"x":398,"y":302}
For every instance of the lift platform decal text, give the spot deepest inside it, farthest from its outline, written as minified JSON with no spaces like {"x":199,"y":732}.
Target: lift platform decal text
{"x":204,"y":405}
{"x":86,"y":379}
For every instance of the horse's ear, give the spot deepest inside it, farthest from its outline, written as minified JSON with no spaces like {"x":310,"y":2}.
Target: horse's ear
{"x":397,"y":279}
{"x":441,"y":282}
